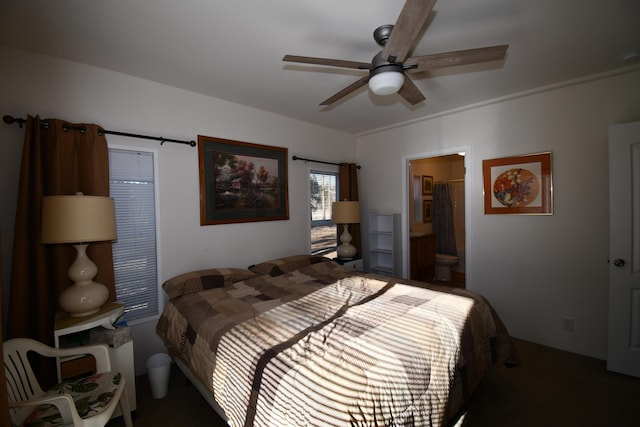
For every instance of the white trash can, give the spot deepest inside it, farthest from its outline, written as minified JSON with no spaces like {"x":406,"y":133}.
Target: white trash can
{"x":158,"y":370}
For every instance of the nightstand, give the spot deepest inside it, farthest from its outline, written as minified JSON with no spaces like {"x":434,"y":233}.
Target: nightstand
{"x":356,"y":264}
{"x":76,"y":331}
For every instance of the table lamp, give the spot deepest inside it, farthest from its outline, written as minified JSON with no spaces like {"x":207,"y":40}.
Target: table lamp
{"x":346,"y":213}
{"x":80,"y":220}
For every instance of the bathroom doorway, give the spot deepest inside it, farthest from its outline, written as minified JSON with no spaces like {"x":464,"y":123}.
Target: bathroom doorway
{"x":423,"y":173}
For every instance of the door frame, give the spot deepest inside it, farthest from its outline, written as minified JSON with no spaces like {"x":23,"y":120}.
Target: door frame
{"x":406,"y":213}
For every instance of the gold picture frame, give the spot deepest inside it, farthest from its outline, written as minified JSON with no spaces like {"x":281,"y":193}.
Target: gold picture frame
{"x":427,"y":185}
{"x":427,"y":211}
{"x":241,"y":181}
{"x":518,"y":185}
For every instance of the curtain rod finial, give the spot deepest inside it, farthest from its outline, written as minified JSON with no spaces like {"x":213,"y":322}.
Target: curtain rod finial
{"x":11,"y":120}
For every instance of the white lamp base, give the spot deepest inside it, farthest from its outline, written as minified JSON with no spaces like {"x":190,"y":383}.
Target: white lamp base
{"x":346,"y":250}
{"x":85,"y":296}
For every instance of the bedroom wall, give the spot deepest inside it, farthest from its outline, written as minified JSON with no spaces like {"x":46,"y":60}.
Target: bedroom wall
{"x":34,"y":84}
{"x":534,"y":269}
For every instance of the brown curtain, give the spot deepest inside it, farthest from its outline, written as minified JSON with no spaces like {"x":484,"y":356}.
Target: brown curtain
{"x":54,"y":161}
{"x":348,"y":182}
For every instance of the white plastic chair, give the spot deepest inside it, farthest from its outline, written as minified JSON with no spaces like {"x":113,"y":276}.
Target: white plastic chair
{"x":89,"y":401}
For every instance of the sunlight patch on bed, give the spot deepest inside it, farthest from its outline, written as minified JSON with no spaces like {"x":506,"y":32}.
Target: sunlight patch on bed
{"x":392,"y":357}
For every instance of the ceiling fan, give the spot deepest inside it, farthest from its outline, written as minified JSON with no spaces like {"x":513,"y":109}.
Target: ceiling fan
{"x":388,"y":69}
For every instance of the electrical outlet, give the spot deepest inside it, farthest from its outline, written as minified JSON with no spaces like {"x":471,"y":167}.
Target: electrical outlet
{"x":567,"y":324}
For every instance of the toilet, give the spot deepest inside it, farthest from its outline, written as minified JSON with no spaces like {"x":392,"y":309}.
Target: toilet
{"x":443,"y":267}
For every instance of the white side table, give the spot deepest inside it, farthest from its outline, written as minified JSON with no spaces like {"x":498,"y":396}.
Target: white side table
{"x":75,"y":331}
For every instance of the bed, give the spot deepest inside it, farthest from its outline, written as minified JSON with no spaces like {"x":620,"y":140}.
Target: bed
{"x":304,"y":341}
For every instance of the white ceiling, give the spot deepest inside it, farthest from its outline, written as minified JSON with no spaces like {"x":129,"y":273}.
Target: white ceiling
{"x":233,"y":49}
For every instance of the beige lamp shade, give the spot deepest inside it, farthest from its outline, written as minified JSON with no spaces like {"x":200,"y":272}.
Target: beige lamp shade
{"x":345,"y":212}
{"x":78,"y":219}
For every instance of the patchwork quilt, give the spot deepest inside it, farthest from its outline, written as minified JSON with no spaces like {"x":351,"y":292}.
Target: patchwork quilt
{"x":324,"y":345}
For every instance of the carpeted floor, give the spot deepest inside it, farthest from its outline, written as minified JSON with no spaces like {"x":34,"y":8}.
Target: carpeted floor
{"x":549,"y":388}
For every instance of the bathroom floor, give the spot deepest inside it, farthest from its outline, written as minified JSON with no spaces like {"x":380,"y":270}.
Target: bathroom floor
{"x":457,"y":280}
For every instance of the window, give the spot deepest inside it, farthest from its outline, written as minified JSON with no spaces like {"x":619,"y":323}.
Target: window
{"x":132,"y":186}
{"x":323,"y":193}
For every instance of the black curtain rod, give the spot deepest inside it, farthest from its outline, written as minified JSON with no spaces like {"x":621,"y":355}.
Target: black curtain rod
{"x":11,"y":120}
{"x":319,"y":161}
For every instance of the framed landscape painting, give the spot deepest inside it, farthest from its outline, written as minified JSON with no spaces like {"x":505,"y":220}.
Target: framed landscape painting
{"x":241,"y":181}
{"x":518,"y":185}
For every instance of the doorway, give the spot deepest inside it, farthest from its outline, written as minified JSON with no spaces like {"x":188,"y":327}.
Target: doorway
{"x":424,"y":173}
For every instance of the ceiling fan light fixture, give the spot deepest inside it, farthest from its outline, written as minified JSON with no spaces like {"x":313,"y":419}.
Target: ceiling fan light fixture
{"x":386,"y":82}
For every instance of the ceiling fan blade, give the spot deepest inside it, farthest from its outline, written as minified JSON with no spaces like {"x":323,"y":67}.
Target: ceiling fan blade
{"x":325,"y":61}
{"x":458,"y":57}
{"x":410,"y":92}
{"x":412,"y":18}
{"x":346,"y":91}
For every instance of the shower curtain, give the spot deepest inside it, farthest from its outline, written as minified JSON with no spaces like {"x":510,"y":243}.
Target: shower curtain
{"x":443,"y":219}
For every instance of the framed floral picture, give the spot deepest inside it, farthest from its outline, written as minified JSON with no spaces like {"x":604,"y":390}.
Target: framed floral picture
{"x":241,"y":181}
{"x":518,"y":185}
{"x":427,"y":185}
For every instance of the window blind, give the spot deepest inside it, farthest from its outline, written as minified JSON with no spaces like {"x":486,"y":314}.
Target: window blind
{"x":322,"y":194}
{"x":132,"y":187}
